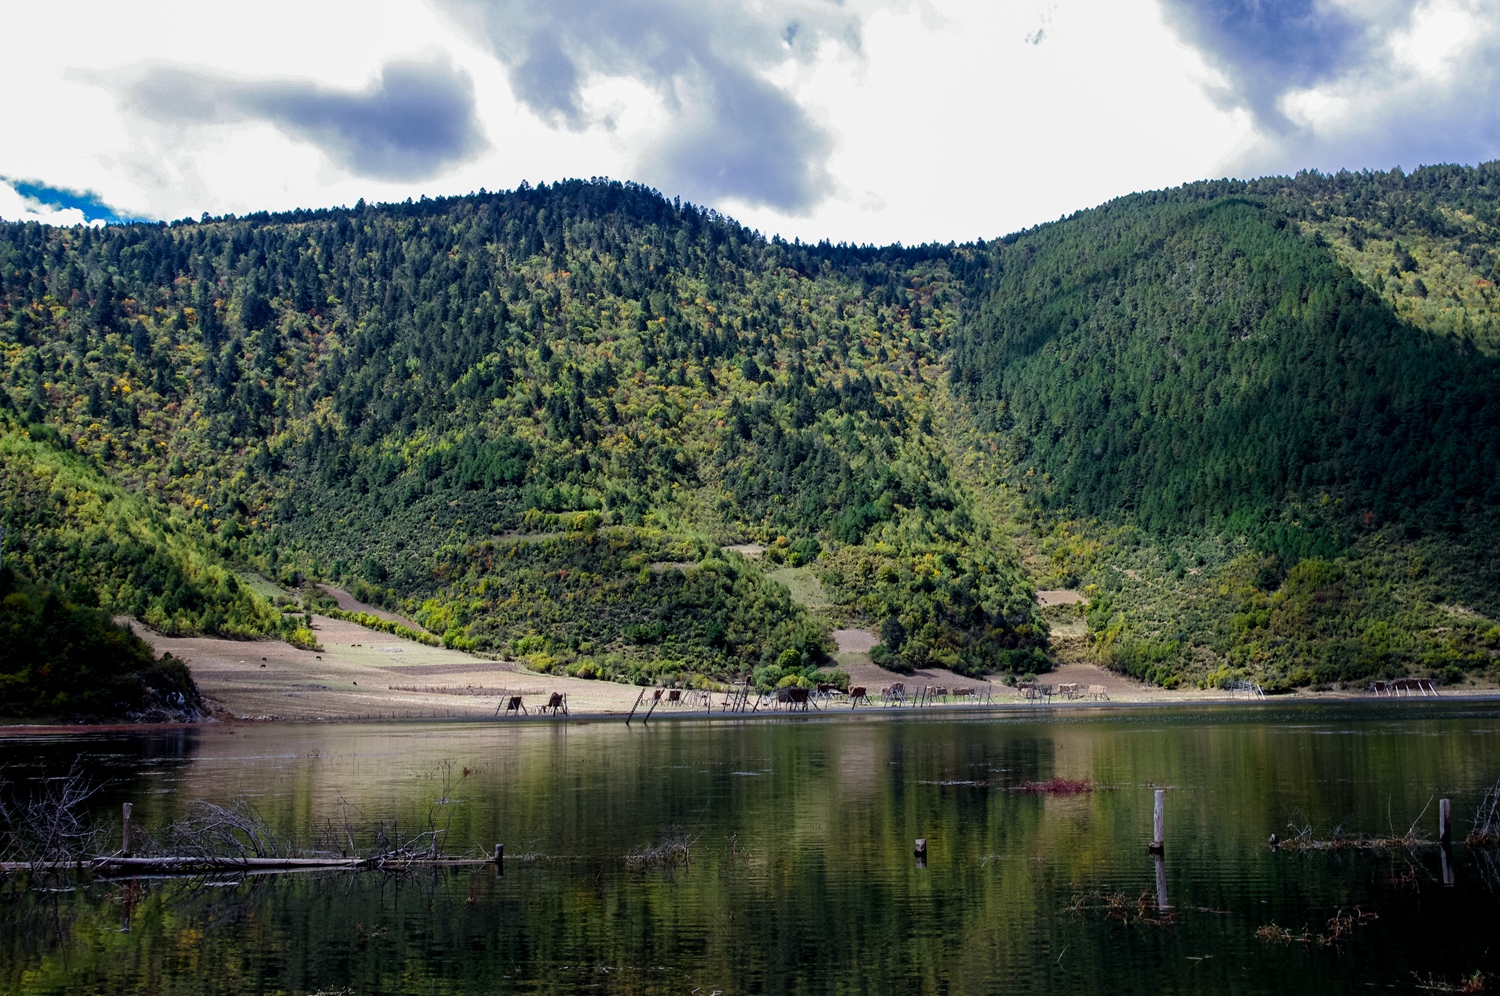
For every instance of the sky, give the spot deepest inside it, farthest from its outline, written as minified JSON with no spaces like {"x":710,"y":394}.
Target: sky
{"x":860,"y":121}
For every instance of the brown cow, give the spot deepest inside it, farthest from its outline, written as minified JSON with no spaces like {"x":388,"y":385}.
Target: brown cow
{"x":792,"y":696}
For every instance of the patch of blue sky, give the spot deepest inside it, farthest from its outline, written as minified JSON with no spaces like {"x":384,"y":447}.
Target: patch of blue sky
{"x":88,"y":203}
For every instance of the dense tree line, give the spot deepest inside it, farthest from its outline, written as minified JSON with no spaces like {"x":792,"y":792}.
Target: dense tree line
{"x":70,"y":662}
{"x":1199,"y":364}
{"x":459,"y":405}
{"x":352,"y":394}
{"x":1297,"y":436}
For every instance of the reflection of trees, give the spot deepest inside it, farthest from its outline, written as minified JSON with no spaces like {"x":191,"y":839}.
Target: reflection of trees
{"x":1487,"y":863}
{"x":801,"y":876}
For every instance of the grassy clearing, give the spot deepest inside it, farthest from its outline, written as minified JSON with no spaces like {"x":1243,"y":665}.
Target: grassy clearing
{"x":803,"y":583}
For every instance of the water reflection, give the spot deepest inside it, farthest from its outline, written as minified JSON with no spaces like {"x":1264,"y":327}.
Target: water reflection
{"x":802,"y":876}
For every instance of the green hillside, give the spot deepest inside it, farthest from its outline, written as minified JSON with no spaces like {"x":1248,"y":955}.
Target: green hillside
{"x":68,"y":526}
{"x":373,"y":396}
{"x":1256,"y":422}
{"x":64,"y":661}
{"x":1261,"y":463}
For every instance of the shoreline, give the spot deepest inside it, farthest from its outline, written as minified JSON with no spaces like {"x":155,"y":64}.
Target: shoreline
{"x":946,"y":711}
{"x":359,"y":675}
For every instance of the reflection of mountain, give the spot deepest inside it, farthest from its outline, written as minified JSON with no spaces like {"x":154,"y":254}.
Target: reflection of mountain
{"x":118,"y":759}
{"x":801,"y":877}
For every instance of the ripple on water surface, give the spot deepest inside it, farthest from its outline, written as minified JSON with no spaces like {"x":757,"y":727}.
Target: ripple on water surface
{"x":799,"y":873}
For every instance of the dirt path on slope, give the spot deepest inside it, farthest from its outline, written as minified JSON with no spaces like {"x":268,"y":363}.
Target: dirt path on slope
{"x":349,"y":603}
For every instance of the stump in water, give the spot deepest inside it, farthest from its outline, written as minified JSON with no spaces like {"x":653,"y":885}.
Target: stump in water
{"x":1158,"y":824}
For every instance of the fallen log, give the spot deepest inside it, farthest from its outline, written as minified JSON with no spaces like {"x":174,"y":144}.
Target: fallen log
{"x":196,"y":865}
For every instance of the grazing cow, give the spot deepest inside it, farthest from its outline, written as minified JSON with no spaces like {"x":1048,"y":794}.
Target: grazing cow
{"x":792,"y":697}
{"x":857,"y":695}
{"x":1097,"y":692}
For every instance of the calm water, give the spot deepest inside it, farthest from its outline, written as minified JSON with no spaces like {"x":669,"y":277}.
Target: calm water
{"x":801,"y":878}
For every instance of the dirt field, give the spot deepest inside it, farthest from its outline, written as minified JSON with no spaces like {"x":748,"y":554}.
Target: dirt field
{"x":362,"y":674}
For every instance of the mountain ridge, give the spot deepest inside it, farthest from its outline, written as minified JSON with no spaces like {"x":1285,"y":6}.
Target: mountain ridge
{"x":373,"y":395}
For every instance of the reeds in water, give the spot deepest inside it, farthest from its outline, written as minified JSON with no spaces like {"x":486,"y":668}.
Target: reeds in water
{"x":1058,"y":786}
{"x":1486,"y":830}
{"x":675,"y":851}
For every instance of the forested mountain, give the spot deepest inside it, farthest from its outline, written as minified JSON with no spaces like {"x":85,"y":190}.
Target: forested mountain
{"x":502,"y":409}
{"x":1257,"y":421}
{"x":1296,"y":415}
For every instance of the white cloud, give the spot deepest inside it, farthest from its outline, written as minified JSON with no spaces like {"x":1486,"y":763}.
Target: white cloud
{"x":1437,"y":40}
{"x":15,"y":207}
{"x":1422,"y":88}
{"x":919,"y":121}
{"x":965,"y":129}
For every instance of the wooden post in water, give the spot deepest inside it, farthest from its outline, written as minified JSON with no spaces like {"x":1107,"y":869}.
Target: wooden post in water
{"x":1445,"y":838}
{"x":1159,"y":824}
{"x":655,"y":700}
{"x":499,"y":860}
{"x":127,"y":904}
{"x":921,"y":852}
{"x":1161,"y":882}
{"x":635,"y":707}
{"x":125,"y":830}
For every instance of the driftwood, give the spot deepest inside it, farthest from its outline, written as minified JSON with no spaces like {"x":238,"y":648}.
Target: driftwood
{"x":48,"y":832}
{"x":177,"y":865}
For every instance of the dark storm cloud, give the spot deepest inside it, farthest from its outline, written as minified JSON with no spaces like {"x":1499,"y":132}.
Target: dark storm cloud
{"x":1400,"y":123}
{"x":413,"y":122}
{"x":733,"y":133}
{"x":1266,"y":48}
{"x":1394,"y":113}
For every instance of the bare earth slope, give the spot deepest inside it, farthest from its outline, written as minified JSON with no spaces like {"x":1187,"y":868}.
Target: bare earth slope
{"x":361,"y":674}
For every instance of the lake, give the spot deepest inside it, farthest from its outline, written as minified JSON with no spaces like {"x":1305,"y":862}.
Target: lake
{"x":800,"y":875}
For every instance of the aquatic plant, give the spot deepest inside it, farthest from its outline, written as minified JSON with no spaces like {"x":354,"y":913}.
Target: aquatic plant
{"x":1058,"y":786}
{"x":671,"y":852}
{"x":1338,"y":928}
{"x":1120,"y":908}
{"x":1486,"y":831}
{"x":1304,"y":838}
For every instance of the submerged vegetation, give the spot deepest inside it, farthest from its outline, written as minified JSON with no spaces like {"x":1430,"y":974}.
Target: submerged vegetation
{"x":1254,"y":423}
